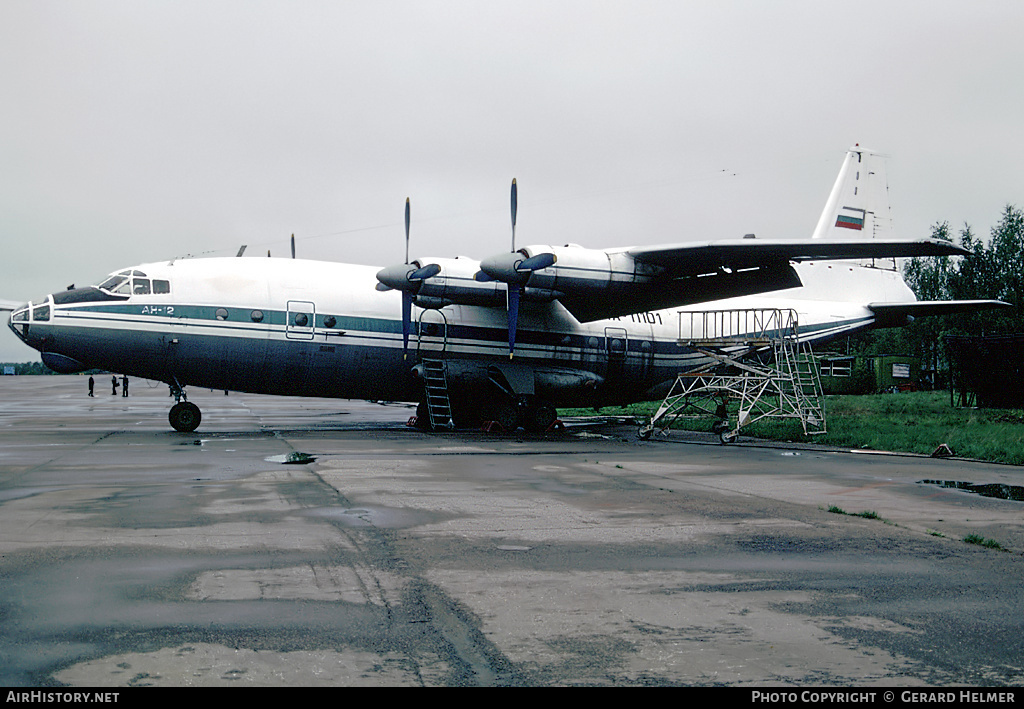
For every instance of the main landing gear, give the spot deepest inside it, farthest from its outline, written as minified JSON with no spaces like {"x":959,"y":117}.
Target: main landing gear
{"x":535,"y":415}
{"x":184,"y":415}
{"x":528,"y":412}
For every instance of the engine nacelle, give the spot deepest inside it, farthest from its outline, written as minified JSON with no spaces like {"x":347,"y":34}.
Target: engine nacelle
{"x":455,"y":284}
{"x":515,"y":268}
{"x":580,"y":271}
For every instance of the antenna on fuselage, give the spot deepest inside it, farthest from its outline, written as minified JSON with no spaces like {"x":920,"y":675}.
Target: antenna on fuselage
{"x":240,"y":251}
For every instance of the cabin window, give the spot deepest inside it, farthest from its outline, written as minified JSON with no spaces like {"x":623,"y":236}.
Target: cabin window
{"x":301,"y":319}
{"x":222,"y":313}
{"x":20,"y":316}
{"x":256,"y":316}
{"x":140,"y":286}
{"x":330,"y":321}
{"x":160,"y":287}
{"x":41,"y":312}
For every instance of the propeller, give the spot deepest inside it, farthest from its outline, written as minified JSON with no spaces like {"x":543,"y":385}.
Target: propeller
{"x":293,"y":245}
{"x":407,"y":278}
{"x":515,"y":270}
{"x":514,"y":290}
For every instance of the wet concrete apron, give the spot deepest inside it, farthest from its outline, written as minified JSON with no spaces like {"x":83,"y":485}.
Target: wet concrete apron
{"x":131,"y":555}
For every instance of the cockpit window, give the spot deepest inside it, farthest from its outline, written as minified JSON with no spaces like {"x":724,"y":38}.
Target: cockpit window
{"x":134,"y":282}
{"x":112,"y":283}
{"x":41,"y":312}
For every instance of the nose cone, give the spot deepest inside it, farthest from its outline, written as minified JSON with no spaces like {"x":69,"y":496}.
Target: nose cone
{"x":62,"y":364}
{"x":31,"y":323}
{"x":18,"y":321}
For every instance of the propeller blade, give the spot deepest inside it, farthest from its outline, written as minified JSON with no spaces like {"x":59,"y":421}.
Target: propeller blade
{"x":538,"y":262}
{"x":513,"y":316}
{"x":428,"y":271}
{"x":406,"y":322}
{"x":293,"y":245}
{"x":515,"y":208}
{"x":407,"y":229}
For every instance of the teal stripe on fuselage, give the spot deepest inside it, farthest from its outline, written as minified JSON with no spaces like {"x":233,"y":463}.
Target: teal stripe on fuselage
{"x":370,"y":328}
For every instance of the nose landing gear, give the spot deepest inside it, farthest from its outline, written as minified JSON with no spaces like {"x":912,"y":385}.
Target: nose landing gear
{"x":184,"y":415}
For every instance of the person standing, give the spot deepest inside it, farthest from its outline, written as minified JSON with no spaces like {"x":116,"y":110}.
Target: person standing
{"x":113,"y":385}
{"x":92,"y":383}
{"x":124,"y":382}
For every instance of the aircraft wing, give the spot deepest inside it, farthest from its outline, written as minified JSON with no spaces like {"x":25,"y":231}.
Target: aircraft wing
{"x":594,"y":284}
{"x":10,"y":304}
{"x":656,"y":277}
{"x":700,"y":257}
{"x":900,"y":313}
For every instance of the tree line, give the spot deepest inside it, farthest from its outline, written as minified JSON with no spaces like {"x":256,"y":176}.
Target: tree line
{"x":994,"y":269}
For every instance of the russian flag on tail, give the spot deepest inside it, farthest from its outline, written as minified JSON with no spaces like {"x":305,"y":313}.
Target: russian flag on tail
{"x":851,"y":218}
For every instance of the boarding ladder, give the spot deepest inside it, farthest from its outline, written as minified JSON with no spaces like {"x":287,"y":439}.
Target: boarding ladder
{"x":754,"y":364}
{"x":435,"y":385}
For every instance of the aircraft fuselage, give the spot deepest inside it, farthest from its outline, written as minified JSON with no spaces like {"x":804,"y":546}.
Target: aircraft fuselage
{"x":313,"y":328}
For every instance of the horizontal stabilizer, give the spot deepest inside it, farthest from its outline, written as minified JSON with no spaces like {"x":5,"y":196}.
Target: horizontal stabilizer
{"x":898,"y":313}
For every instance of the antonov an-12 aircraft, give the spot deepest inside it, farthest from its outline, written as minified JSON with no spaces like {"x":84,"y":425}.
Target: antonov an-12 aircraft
{"x":506,"y":339}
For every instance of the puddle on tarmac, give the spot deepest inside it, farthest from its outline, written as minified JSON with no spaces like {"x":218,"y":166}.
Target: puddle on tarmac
{"x":996,"y":490}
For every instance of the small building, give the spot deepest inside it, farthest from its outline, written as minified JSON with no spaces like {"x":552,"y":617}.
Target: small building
{"x":856,"y":374}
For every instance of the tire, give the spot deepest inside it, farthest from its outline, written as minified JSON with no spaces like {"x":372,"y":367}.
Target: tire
{"x":423,"y":417}
{"x":185,"y":417}
{"x":539,"y":416}
{"x":727,"y":437}
{"x":504,"y":412}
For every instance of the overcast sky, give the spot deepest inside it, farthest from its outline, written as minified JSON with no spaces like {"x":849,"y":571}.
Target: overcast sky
{"x":141,"y":130}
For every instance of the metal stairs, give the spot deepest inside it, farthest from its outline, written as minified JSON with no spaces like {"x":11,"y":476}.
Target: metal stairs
{"x":754,"y":360}
{"x":435,"y":385}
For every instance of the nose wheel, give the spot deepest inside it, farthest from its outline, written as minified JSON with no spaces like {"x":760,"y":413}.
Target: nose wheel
{"x":184,"y":417}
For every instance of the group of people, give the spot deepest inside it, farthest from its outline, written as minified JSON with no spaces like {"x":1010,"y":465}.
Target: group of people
{"x":113,"y":385}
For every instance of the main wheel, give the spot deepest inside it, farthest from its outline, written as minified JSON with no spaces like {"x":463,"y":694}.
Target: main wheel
{"x":185,"y":417}
{"x":504,"y":412}
{"x":423,"y":417}
{"x":539,"y":416}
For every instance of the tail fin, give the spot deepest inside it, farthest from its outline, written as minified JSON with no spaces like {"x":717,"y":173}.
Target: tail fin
{"x":858,"y":207}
